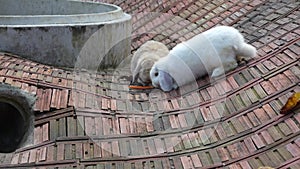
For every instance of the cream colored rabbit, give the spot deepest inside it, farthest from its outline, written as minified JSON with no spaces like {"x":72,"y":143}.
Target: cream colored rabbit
{"x":212,"y":52}
{"x":144,"y":58}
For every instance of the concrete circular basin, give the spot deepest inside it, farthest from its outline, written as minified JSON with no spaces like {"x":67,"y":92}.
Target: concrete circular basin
{"x":65,"y":33}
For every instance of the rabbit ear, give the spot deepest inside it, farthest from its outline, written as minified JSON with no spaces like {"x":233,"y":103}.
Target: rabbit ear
{"x":165,"y":81}
{"x":135,"y":74}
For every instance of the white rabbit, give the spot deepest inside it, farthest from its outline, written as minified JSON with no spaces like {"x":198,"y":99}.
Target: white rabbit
{"x":144,"y":58}
{"x":212,"y":52}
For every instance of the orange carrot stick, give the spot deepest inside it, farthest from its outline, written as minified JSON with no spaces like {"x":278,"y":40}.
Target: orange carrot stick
{"x":140,"y":87}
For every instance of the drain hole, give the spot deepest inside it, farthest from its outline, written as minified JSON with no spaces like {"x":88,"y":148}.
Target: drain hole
{"x":12,"y":127}
{"x":16,"y":118}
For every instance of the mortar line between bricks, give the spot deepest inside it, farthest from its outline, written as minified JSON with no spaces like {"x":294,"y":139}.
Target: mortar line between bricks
{"x":38,"y":164}
{"x":290,"y":162}
{"x":290,"y":138}
{"x":46,"y":117}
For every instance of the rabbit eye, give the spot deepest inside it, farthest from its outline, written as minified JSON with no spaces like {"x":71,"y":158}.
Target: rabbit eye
{"x":156,"y":74}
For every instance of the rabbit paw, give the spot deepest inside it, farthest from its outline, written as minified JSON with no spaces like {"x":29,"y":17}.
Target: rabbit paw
{"x":223,"y":69}
{"x":218,"y":72}
{"x":230,"y":66}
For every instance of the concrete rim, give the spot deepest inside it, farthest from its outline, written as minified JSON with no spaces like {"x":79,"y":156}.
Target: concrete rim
{"x":95,"y":17}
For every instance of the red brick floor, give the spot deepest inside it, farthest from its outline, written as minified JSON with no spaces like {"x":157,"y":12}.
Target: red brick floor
{"x":92,"y":120}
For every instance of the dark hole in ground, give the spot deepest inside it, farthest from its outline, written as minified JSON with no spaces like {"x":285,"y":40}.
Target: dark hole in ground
{"x":12,"y":127}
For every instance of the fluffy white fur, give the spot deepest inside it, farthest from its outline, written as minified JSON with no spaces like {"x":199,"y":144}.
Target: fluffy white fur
{"x":212,"y":52}
{"x":144,"y":58}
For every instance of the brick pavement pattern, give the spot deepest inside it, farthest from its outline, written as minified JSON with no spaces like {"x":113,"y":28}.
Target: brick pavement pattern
{"x":92,"y":120}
